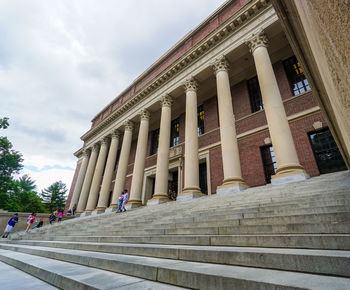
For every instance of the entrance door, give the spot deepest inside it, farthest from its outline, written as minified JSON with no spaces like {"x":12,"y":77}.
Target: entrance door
{"x":326,"y":152}
{"x":269,"y":162}
{"x":203,"y":183}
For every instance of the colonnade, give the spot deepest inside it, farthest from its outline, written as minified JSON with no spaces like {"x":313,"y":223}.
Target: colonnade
{"x":92,"y":189}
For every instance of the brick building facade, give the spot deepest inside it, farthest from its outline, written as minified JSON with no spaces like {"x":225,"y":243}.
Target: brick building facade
{"x":222,"y":37}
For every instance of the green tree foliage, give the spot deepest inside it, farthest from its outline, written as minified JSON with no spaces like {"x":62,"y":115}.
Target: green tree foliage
{"x":54,"y":196}
{"x":10,"y":164}
{"x":23,"y":196}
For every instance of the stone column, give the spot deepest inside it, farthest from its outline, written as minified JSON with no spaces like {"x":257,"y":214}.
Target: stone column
{"x":123,"y":164}
{"x":191,"y":189}
{"x":162,"y":171}
{"x":87,"y":180}
{"x":97,"y":179}
{"x":140,"y":158}
{"x":80,"y":180}
{"x":233,"y":180}
{"x":288,"y":166}
{"x":108,"y":175}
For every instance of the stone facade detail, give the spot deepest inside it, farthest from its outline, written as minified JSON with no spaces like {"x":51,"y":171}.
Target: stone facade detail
{"x":166,"y":101}
{"x":257,"y":40}
{"x":128,"y":125}
{"x":191,"y":84}
{"x":220,"y":64}
{"x":145,"y":114}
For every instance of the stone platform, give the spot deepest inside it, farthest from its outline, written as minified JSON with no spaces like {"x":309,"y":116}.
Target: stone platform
{"x":294,"y":236}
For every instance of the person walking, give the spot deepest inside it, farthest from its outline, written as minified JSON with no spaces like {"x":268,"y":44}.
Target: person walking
{"x":125,"y":199}
{"x":52,"y":218}
{"x":60,"y":216}
{"x":10,"y":224}
{"x":30,"y":220}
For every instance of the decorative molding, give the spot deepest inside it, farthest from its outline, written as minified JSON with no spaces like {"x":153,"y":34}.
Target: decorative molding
{"x":267,"y":141}
{"x":220,"y":64}
{"x":166,"y":100}
{"x":317,"y":125}
{"x":234,"y":23}
{"x":105,"y":140}
{"x":95,"y":147}
{"x":116,"y":134}
{"x":86,"y":152}
{"x":257,"y":40}
{"x":145,"y":115}
{"x":175,"y":151}
{"x":191,"y":85}
{"x":128,"y":125}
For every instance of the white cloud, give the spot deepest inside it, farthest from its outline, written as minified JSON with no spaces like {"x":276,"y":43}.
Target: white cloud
{"x":63,"y":61}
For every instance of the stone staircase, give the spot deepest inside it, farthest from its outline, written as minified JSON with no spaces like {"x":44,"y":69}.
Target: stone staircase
{"x":294,"y":236}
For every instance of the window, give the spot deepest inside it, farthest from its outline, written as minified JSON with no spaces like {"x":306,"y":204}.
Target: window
{"x":256,"y":101}
{"x":155,"y":142}
{"x":327,"y":155}
{"x":174,"y":135}
{"x":269,"y":162}
{"x":297,"y":80}
{"x":200,"y":114}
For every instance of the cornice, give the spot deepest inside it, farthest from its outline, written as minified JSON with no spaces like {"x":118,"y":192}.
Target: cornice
{"x":236,"y":21}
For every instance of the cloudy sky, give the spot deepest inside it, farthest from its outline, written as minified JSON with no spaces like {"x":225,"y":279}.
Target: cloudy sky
{"x":62,"y":61}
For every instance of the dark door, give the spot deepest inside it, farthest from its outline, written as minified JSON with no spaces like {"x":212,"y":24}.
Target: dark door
{"x":203,"y":184}
{"x":269,"y":162}
{"x":326,"y":152}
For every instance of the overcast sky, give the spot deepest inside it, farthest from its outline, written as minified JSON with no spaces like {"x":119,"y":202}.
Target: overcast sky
{"x":62,"y":61}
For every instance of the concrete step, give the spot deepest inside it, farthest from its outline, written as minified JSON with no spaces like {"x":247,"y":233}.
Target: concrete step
{"x":183,"y":273}
{"x":223,"y":216}
{"x":72,"y":276}
{"x":14,"y":279}
{"x":300,"y":228}
{"x":304,"y":241}
{"x":298,"y":260}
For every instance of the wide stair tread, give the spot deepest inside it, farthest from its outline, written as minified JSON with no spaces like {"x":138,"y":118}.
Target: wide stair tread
{"x":65,"y":275}
{"x":192,"y":274}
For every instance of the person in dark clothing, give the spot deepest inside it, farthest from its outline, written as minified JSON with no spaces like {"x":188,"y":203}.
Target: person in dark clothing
{"x":39,"y":225}
{"x":10,"y":224}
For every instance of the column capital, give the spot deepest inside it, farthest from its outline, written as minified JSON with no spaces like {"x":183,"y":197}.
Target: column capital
{"x":86,"y":152}
{"x":115,"y":134}
{"x":258,"y":39}
{"x":191,"y":85}
{"x":166,"y":101}
{"x":104,"y":140}
{"x":220,"y":64}
{"x":145,"y":114}
{"x":128,"y":125}
{"x":95,"y":147}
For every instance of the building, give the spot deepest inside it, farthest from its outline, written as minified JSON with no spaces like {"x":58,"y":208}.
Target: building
{"x":228,"y":107}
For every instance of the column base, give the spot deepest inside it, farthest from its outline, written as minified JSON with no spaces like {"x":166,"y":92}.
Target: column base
{"x":189,"y":193}
{"x":158,"y":200}
{"x":98,"y":210}
{"x":112,"y":208}
{"x":133,"y":204}
{"x":231,"y":185}
{"x":85,"y":213}
{"x":289,"y":174}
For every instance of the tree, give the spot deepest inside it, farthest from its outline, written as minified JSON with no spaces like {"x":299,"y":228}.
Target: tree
{"x":23,"y":196}
{"x":10,"y":164}
{"x":54,"y":196}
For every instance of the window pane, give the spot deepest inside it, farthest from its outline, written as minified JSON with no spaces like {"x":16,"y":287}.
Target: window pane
{"x":296,"y":77}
